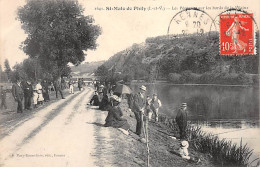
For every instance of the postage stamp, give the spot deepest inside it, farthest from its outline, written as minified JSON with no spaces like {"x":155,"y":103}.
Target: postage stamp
{"x":236,"y":34}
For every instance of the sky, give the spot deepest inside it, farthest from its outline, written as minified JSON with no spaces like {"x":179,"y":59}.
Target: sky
{"x":120,"y":28}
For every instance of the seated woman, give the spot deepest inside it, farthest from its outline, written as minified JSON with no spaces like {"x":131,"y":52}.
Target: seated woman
{"x":114,"y":117}
{"x":104,"y":104}
{"x":95,"y":100}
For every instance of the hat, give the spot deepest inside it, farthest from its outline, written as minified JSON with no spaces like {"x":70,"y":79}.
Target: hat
{"x":184,"y":105}
{"x":143,"y":88}
{"x":154,"y":94}
{"x":185,"y":144}
{"x":116,"y":98}
{"x":101,"y":85}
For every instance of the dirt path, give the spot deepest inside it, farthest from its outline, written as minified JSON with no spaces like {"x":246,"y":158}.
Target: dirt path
{"x":71,"y":133}
{"x":57,"y":135}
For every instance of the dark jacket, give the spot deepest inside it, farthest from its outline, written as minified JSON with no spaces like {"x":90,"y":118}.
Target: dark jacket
{"x":182,"y":117}
{"x":138,"y":103}
{"x":57,"y":85}
{"x":28,"y":90}
{"x":95,"y":100}
{"x":17,"y":92}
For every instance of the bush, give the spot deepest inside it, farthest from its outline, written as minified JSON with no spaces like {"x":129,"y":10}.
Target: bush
{"x":255,"y":78}
{"x":188,"y":77}
{"x":174,"y":77}
{"x":244,"y":79}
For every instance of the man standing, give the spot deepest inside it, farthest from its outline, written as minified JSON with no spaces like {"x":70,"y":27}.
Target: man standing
{"x":181,"y":120}
{"x":79,"y":84}
{"x":28,"y":94}
{"x":3,"y":98}
{"x":155,"y":105}
{"x":58,"y":87}
{"x":45,"y":91}
{"x":138,"y":107}
{"x":71,"y":88}
{"x":17,"y":92}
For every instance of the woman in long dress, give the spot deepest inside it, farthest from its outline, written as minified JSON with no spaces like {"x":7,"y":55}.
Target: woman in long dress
{"x":114,"y":117}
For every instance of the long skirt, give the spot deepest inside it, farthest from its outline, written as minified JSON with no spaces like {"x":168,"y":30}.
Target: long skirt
{"x":118,"y":124}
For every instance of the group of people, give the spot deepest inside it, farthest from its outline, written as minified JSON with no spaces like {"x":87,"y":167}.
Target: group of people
{"x":102,"y":95}
{"x":31,"y":93}
{"x":143,"y":106}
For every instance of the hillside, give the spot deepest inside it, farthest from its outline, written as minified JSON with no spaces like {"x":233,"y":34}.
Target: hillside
{"x":160,"y":56}
{"x":88,"y":67}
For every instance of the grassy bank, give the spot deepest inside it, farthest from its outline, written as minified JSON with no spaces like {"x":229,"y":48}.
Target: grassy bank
{"x":212,"y":150}
{"x":223,"y":152}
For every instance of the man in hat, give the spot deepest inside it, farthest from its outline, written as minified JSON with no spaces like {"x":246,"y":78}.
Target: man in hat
{"x":17,"y":92}
{"x":155,"y":104}
{"x":139,"y":104}
{"x":181,"y":120}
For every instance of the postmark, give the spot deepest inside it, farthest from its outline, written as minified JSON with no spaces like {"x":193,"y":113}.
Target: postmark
{"x":236,"y":34}
{"x":191,"y":21}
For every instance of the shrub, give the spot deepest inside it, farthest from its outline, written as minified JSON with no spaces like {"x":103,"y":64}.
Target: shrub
{"x":207,"y":78}
{"x":255,"y":79}
{"x":244,"y":79}
{"x":188,"y":77}
{"x":174,"y":77}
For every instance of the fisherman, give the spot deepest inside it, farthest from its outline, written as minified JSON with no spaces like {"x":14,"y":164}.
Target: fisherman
{"x":114,"y":117}
{"x":181,"y":120}
{"x":3,"y":98}
{"x":155,"y":105}
{"x":149,"y":112}
{"x":17,"y":92}
{"x":138,"y":107}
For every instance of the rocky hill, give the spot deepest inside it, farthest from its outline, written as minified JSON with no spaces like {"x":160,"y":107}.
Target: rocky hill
{"x":160,"y":56}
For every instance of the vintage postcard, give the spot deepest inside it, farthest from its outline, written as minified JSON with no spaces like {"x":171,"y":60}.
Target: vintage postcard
{"x":129,"y":83}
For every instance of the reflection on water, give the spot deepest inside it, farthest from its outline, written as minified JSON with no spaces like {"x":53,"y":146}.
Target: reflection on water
{"x":207,"y":103}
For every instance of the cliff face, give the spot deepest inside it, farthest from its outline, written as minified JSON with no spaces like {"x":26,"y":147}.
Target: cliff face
{"x":171,"y":54}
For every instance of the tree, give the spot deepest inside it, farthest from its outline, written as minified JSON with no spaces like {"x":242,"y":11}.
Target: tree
{"x":58,"y":33}
{"x":101,"y":71}
{"x":8,"y":70}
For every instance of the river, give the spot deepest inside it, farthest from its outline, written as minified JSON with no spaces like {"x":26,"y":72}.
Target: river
{"x":231,"y":112}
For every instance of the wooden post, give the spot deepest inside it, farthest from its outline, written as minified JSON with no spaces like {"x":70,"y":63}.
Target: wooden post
{"x":145,"y":130}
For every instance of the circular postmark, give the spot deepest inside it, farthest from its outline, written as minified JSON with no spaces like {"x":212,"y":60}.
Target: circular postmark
{"x":237,"y":32}
{"x":191,"y":21}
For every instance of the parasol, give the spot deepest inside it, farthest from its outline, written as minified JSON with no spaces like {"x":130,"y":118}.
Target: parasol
{"x":122,"y":89}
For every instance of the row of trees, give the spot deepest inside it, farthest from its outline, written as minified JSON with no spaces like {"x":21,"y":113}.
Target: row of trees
{"x":57,"y":34}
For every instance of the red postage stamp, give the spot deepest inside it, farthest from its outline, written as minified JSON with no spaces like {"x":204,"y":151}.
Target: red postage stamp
{"x":236,"y":34}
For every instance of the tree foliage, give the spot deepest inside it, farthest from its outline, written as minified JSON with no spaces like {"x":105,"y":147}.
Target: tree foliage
{"x":58,"y":33}
{"x":8,"y":69}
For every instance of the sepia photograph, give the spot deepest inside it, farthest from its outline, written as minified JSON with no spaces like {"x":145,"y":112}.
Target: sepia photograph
{"x":129,"y":83}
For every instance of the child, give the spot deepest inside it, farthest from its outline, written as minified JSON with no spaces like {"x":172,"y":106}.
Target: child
{"x":185,"y":153}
